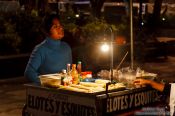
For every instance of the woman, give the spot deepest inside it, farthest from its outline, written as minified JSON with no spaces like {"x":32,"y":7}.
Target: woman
{"x":50,"y":56}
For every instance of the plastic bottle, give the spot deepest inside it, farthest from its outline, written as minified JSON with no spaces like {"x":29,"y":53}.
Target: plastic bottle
{"x":69,"y":78}
{"x":68,"y":69}
{"x":63,"y":76}
{"x":79,"y":69}
{"x":74,"y":74}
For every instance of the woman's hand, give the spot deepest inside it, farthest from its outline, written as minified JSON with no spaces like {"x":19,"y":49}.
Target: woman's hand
{"x":153,"y":84}
{"x":142,"y":82}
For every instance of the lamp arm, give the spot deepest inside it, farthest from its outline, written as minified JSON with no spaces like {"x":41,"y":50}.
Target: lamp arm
{"x":111,"y":53}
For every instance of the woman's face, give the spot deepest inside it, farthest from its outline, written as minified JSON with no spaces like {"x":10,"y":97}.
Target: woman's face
{"x":56,"y":31}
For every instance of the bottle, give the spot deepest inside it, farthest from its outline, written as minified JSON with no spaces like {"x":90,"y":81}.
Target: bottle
{"x":69,"y":78}
{"x":74,"y":74}
{"x":79,"y":69}
{"x":63,"y":76}
{"x":68,"y":69}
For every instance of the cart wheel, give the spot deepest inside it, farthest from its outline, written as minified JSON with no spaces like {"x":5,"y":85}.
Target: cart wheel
{"x":24,"y":111}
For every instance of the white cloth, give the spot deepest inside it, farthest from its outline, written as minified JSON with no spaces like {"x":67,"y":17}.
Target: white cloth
{"x":172,"y":99}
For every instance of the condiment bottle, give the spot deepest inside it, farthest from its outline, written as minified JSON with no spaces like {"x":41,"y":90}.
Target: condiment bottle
{"x":68,"y":69}
{"x":79,"y":69}
{"x":63,"y":76}
{"x":69,"y":78}
{"x":74,"y":74}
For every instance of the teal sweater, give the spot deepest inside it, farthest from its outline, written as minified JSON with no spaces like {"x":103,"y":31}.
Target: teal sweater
{"x":50,"y":56}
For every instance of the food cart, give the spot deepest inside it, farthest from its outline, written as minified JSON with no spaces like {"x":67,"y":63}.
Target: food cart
{"x":44,"y":101}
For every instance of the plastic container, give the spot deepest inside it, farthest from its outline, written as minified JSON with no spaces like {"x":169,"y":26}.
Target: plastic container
{"x":86,"y":74}
{"x":50,"y":80}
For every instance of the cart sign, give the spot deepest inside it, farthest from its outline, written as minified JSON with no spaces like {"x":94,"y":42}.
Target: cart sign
{"x":132,"y":100}
{"x":42,"y":102}
{"x":54,"y":102}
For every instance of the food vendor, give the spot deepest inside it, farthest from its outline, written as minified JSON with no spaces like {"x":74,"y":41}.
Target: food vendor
{"x":50,"y":56}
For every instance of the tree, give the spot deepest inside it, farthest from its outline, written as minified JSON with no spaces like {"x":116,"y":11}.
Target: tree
{"x":40,"y":6}
{"x":96,"y":6}
{"x":154,"y":19}
{"x":156,"y":12}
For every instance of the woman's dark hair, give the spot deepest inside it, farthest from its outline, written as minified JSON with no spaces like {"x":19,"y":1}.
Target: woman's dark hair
{"x":48,"y":21}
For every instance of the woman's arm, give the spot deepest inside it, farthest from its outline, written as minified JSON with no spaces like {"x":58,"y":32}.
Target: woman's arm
{"x":153,"y":84}
{"x":31,"y":71}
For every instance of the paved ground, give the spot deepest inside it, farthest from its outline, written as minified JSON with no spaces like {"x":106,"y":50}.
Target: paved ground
{"x":12,"y":96}
{"x":12,"y":91}
{"x":164,"y":68}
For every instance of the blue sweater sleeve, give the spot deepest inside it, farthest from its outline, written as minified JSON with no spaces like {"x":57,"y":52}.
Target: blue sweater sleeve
{"x":31,"y":71}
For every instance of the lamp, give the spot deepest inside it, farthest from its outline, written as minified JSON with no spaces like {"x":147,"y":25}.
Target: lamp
{"x":111,"y":52}
{"x":105,"y":48}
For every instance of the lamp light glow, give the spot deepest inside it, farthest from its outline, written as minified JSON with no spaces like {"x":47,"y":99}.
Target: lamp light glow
{"x":105,"y":47}
{"x":77,"y":15}
{"x":163,"y":19}
{"x":142,"y":23}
